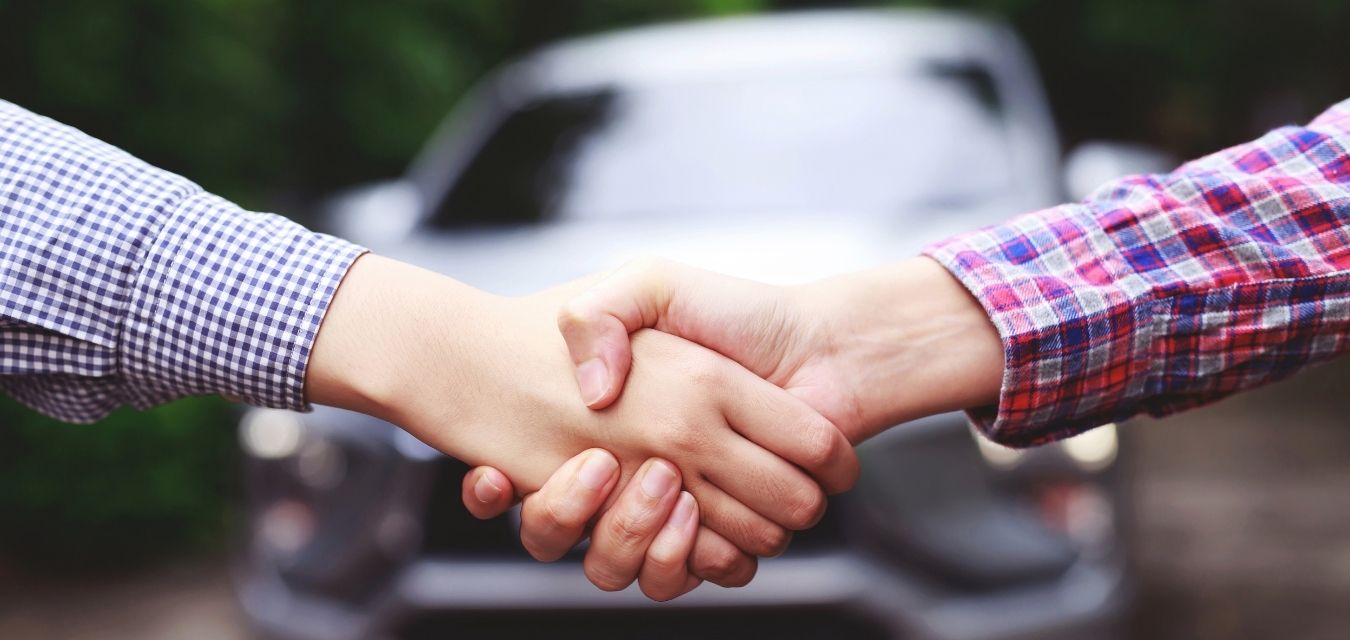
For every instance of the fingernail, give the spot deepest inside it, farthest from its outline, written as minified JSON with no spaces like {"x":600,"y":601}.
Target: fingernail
{"x":684,"y":511}
{"x":596,"y":470}
{"x":593,"y":380}
{"x":485,"y":490}
{"x":659,"y":480}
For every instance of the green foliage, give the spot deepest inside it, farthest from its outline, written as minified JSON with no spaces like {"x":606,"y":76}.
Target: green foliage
{"x":259,"y":98}
{"x":1191,"y":77}
{"x":132,"y":488}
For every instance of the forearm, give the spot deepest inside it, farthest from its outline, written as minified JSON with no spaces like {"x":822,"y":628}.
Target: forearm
{"x":911,"y":340}
{"x":444,"y":361}
{"x":1160,"y":293}
{"x":389,"y":323}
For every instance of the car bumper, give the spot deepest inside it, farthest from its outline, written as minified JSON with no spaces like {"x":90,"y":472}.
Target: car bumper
{"x":1087,"y":602}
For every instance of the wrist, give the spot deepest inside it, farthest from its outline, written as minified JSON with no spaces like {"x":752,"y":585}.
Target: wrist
{"x":390,"y":329}
{"x":910,"y":341}
{"x":475,"y":375}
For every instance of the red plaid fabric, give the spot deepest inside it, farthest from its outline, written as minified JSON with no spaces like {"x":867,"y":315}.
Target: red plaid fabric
{"x":1163,"y":292}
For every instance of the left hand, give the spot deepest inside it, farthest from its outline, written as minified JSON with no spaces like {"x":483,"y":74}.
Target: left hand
{"x":654,"y":539}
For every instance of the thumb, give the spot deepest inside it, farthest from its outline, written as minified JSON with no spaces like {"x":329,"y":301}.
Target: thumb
{"x":596,"y":325}
{"x":487,"y":492}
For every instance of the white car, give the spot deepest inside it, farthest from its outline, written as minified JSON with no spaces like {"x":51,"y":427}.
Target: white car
{"x":784,"y":148}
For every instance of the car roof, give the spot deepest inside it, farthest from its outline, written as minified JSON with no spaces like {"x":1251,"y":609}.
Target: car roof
{"x":731,"y":49}
{"x":710,"y":49}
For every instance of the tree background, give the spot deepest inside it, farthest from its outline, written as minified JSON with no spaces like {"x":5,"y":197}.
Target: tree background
{"x":274,"y":102}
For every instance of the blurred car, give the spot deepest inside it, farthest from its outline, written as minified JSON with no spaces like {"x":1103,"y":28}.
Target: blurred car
{"x":783,"y":148}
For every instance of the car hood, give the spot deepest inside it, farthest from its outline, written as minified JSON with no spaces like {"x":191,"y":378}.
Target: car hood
{"x":781,"y":249}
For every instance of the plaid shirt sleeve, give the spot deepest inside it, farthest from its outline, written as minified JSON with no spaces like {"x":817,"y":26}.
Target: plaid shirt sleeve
{"x":1160,"y":293}
{"x":124,"y":284}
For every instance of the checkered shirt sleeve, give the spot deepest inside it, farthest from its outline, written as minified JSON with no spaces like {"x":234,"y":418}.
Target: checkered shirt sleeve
{"x":124,"y":284}
{"x":1163,"y":292}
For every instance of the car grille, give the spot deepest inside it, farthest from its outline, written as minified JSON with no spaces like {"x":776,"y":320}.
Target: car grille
{"x":451,"y":531}
{"x":797,"y":623}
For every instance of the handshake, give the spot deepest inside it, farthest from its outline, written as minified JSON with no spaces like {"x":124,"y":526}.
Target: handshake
{"x":714,"y":414}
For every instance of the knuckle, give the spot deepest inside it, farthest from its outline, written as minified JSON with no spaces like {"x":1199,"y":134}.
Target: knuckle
{"x":541,"y":536}
{"x":807,"y":509}
{"x":726,"y":568}
{"x":718,"y":565}
{"x":538,"y":548}
{"x":555,"y":517}
{"x":605,"y":577}
{"x":664,"y":561}
{"x":771,"y":540}
{"x":682,"y":437}
{"x":821,"y":444}
{"x":538,"y":552}
{"x":625,"y":531}
{"x":705,"y":372}
{"x":571,"y":316}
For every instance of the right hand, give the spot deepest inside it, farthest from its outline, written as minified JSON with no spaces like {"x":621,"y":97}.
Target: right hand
{"x":651,"y":536}
{"x":487,"y":380}
{"x":867,"y":350}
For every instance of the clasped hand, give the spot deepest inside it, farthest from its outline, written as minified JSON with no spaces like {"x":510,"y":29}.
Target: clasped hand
{"x":686,"y":421}
{"x":786,"y":336}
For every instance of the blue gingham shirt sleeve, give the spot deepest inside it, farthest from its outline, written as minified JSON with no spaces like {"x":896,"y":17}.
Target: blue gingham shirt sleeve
{"x":122,"y":284}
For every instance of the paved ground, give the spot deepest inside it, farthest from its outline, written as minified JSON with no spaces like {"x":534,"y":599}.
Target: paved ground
{"x":1243,"y":528}
{"x":1244,"y":514}
{"x":190,"y":601}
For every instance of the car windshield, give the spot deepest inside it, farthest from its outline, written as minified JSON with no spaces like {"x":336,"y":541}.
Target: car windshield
{"x":863,"y":142}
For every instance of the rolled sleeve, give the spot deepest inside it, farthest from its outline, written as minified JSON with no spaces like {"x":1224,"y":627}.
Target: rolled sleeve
{"x":1076,"y":350}
{"x":1165,"y":292}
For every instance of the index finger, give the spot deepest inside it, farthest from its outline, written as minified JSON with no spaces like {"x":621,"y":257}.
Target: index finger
{"x":554,"y":519}
{"x":784,"y":425}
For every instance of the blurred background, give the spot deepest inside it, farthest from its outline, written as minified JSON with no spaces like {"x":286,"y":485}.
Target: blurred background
{"x":125,"y":529}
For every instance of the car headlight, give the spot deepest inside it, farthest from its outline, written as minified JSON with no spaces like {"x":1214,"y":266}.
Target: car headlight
{"x":995,"y":454}
{"x":1091,"y":451}
{"x":270,"y":434}
{"x":330,"y":497}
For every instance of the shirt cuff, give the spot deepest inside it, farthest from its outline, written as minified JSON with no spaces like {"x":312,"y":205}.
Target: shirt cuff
{"x":1067,"y":308}
{"x":228,"y":302}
